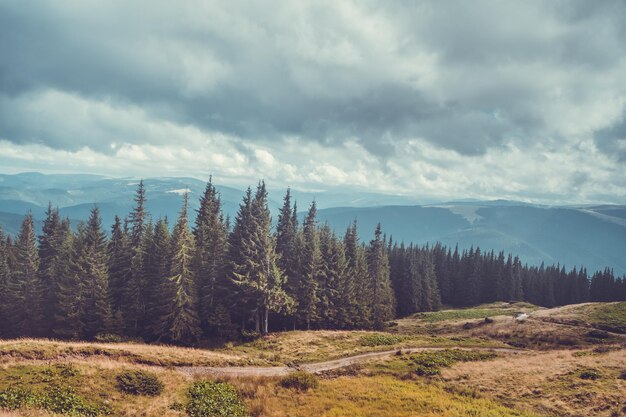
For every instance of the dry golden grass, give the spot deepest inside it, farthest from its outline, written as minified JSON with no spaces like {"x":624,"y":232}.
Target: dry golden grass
{"x":371,"y":396}
{"x":160,"y":355}
{"x":272,"y":350}
{"x":548,"y":382}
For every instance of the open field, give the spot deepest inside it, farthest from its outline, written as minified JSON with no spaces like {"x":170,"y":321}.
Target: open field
{"x":556,"y":362}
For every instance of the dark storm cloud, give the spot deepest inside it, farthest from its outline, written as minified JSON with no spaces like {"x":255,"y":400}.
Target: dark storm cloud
{"x":463,"y":75}
{"x":488,"y":98}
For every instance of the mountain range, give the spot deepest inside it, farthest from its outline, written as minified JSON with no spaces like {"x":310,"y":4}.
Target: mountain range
{"x":593,"y":236}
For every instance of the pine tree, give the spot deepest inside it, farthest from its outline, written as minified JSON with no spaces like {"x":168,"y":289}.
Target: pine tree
{"x":48,"y":257}
{"x":92,"y":263}
{"x":287,"y":245}
{"x":310,"y":264}
{"x":382,"y":301}
{"x":68,"y":310}
{"x":133,"y":303}
{"x":119,"y":265}
{"x":156,"y":270}
{"x":180,"y":323}
{"x":241,"y":300}
{"x":211,"y":238}
{"x":347,"y":309}
{"x":332,"y":280}
{"x":25,"y":288}
{"x":258,"y":273}
{"x":359,"y":276}
{"x":5,"y":274}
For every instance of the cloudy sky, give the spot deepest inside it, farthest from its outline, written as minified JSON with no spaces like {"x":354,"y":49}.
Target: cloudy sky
{"x":457,"y":99}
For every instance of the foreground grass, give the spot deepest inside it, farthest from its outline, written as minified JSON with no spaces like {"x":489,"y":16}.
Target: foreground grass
{"x":380,"y":396}
{"x":375,"y":395}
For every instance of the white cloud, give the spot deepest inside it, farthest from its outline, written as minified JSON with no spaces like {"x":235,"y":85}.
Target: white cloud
{"x":441,"y":99}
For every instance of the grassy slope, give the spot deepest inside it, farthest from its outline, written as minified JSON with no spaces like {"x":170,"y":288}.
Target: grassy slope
{"x":541,"y":382}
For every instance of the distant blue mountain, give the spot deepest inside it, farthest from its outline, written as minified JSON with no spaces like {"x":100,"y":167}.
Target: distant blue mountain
{"x":594,"y":236}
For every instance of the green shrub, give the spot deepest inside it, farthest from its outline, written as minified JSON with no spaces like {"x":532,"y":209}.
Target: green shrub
{"x":139,"y":383}
{"x":300,"y":380}
{"x":591,"y":374}
{"x":108,"y":338}
{"x":60,"y":399}
{"x":380,"y":339}
{"x":14,"y":398}
{"x":64,"y":400}
{"x":214,"y":399}
{"x":427,"y":370}
{"x":430,"y":363}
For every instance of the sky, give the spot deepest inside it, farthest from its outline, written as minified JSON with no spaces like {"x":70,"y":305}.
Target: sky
{"x":521,"y":100}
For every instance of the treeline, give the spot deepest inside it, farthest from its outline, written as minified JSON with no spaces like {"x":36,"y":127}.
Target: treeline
{"x":187,"y":282}
{"x":426,"y":277}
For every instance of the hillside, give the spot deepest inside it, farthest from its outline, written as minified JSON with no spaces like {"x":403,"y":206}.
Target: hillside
{"x":481,"y":361}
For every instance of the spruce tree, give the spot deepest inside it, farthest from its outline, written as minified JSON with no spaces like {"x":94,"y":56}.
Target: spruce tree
{"x":61,"y":269}
{"x":258,"y":273}
{"x":133,"y":303}
{"x":241,"y":300}
{"x":157,"y":271}
{"x":92,"y":263}
{"x":68,"y":311}
{"x":4,"y":288}
{"x":359,"y":275}
{"x":332,"y":283}
{"x":48,"y":257}
{"x":382,"y":301}
{"x":119,"y":265}
{"x":310,"y":264}
{"x":25,"y":288}
{"x":211,"y":238}
{"x":287,"y":245}
{"x":180,"y":323}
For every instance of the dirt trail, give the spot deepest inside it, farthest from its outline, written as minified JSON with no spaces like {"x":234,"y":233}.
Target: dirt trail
{"x":316,"y":367}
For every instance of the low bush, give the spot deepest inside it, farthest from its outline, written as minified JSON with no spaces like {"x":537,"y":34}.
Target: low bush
{"x":250,"y":335}
{"x":591,"y":374}
{"x":622,"y":375}
{"x":380,"y":339}
{"x":109,"y":338}
{"x":139,"y":383}
{"x":59,"y":399}
{"x":300,"y":380}
{"x":214,"y":399}
{"x":430,"y":363}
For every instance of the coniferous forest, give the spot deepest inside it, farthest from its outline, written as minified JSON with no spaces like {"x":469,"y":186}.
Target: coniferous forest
{"x":183,"y":283}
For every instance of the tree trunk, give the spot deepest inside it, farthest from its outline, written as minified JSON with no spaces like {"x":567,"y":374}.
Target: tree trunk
{"x":257,"y":321}
{"x":266,"y":322}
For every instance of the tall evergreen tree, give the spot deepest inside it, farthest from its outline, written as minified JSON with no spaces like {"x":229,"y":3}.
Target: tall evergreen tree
{"x":310,"y":264}
{"x":133,"y":303}
{"x":92,"y":263}
{"x":260,"y":277}
{"x":48,"y":258}
{"x":157,"y":270}
{"x":181,"y":323}
{"x":287,"y":245}
{"x":4,"y":288}
{"x":25,"y":288}
{"x":211,"y":237}
{"x":68,"y":312}
{"x":382,"y":301}
{"x":359,"y":275}
{"x":119,"y":265}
